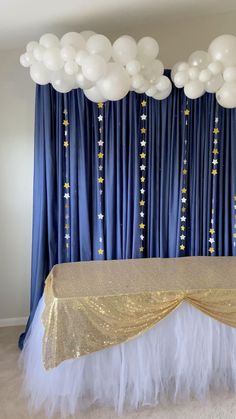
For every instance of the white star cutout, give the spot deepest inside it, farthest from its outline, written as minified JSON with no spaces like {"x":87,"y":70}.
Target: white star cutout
{"x":65,"y":132}
{"x":215,"y":141}
{"x":66,"y":195}
{"x":235,"y":207}
{"x":212,"y":221}
{"x":182,"y":237}
{"x":101,"y":192}
{"x":143,"y":143}
{"x":216,"y":120}
{"x":100,"y":167}
{"x":211,"y":240}
{"x":100,"y":216}
{"x":100,"y":118}
{"x":67,"y":236}
{"x":183,"y":218}
{"x":185,"y":161}
{"x":183,"y":199}
{"x":142,"y":191}
{"x":142,"y":167}
{"x":142,"y":214}
{"x":100,"y":239}
{"x":143,"y":117}
{"x":214,"y":161}
{"x":100,"y":143}
{"x":142,"y":237}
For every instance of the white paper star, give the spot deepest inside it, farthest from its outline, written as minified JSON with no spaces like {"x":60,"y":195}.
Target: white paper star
{"x":101,"y":192}
{"x":141,"y":214}
{"x":100,"y":143}
{"x":182,"y":236}
{"x":183,"y":218}
{"x":185,"y":161}
{"x":100,"y":167}
{"x":65,"y":132}
{"x":215,"y":141}
{"x":66,"y":195}
{"x":211,"y":240}
{"x":142,"y":167}
{"x":100,"y":216}
{"x":214,"y":161}
{"x":143,"y":143}
{"x":67,"y":236}
{"x":216,"y":120}
{"x":142,"y":191}
{"x":143,"y":117}
{"x":235,"y":207}
{"x":183,"y":199}
{"x":141,"y":237}
{"x":100,"y":118}
{"x":100,"y":239}
{"x":212,"y":221}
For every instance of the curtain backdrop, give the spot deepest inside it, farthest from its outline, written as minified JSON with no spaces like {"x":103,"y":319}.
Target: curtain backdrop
{"x":130,"y":179}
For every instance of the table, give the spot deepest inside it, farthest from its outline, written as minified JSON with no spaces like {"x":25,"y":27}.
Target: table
{"x":134,"y":332}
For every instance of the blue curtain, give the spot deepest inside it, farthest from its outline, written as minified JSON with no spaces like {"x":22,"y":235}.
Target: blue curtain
{"x":130,"y":179}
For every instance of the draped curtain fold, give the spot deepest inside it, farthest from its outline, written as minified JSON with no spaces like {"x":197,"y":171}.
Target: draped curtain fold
{"x":129,"y":179}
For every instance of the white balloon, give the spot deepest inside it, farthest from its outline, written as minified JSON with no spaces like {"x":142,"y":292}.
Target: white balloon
{"x":82,"y":82}
{"x":133,"y":67}
{"x":31,"y":46}
{"x":163,"y":95}
{"x":99,"y":45}
{"x":199,"y":59}
{"x":115,"y":85}
{"x":151,"y":91}
{"x":94,"y":94}
{"x":73,"y":39}
{"x":52,"y":59}
{"x":68,"y":53}
{"x":145,"y":87}
{"x":39,"y":74}
{"x":223,"y":49}
{"x":154,"y":71}
{"x":215,"y":67}
{"x":230,"y":74}
{"x":137,"y":81}
{"x":205,"y":75}
{"x":193,"y":73}
{"x":124,"y":49}
{"x":64,"y":84}
{"x":24,"y":61}
{"x":29,"y":58}
{"x":38,"y":52}
{"x":194,"y":89}
{"x":80,"y":56}
{"x":148,"y":46}
{"x":226,"y":96}
{"x":49,"y":40}
{"x":87,"y":34}
{"x":180,"y":66}
{"x":181,"y":78}
{"x":214,"y":84}
{"x":163,"y":84}
{"x":94,"y":67}
{"x":71,"y":68}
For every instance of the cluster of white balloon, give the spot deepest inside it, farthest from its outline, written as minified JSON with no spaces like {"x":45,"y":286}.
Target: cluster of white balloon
{"x":104,"y":71}
{"x":213,"y":72}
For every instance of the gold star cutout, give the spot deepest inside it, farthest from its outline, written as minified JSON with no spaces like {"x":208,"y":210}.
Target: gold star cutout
{"x":142,"y":203}
{"x":186,"y":112}
{"x":214,"y":172}
{"x":215,"y":151}
{"x":143,"y":130}
{"x":211,"y":249}
{"x":144,"y":103}
{"x":182,"y":247}
{"x":100,"y":155}
{"x":212,"y":230}
{"x":142,"y":155}
{"x":100,"y":105}
{"x":100,"y":180}
{"x":216,"y":131}
{"x":182,"y":228}
{"x":67,"y":226}
{"x":66,"y":122}
{"x":183,"y":209}
{"x":141,"y":249}
{"x":235,"y":197}
{"x":66,"y":185}
{"x":234,"y":235}
{"x":142,"y":179}
{"x":66,"y":144}
{"x":185,"y":172}
{"x":100,"y":251}
{"x":142,"y":226}
{"x":184,"y":190}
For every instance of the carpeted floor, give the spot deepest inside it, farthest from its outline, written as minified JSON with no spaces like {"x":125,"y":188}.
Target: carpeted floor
{"x":12,"y":406}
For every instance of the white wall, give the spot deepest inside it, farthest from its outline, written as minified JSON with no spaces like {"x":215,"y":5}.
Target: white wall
{"x":177,"y":40}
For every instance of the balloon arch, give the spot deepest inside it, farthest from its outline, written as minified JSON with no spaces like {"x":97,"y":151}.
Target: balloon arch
{"x":108,"y":72}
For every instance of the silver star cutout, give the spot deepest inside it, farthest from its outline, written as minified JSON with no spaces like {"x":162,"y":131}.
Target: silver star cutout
{"x":143,"y":117}
{"x":211,"y":240}
{"x":100,"y":143}
{"x":142,"y":167}
{"x":66,"y":195}
{"x":142,"y":191}
{"x":214,"y":162}
{"x":141,"y":237}
{"x":142,"y":214}
{"x":182,"y":237}
{"x":143,"y":143}
{"x":100,"y":118}
{"x":100,"y":216}
{"x":183,"y":199}
{"x":183,"y":218}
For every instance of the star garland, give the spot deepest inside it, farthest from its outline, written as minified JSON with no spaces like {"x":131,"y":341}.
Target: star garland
{"x":214,"y":174}
{"x":142,"y":175}
{"x":66,"y":184}
{"x":184,"y":188}
{"x":100,"y":177}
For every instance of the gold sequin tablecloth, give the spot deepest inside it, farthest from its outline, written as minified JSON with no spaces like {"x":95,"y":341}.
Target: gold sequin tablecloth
{"x":90,"y":306}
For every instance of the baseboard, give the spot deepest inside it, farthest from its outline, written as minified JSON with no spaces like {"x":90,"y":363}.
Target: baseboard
{"x":17,"y":321}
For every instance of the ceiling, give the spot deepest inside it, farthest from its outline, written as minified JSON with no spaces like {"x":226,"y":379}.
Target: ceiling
{"x":24,"y":20}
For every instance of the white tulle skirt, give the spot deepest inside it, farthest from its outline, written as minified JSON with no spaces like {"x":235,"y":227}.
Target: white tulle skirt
{"x":185,"y":356}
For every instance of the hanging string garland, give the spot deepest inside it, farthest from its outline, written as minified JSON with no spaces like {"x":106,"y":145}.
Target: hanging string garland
{"x":213,"y":72}
{"x":104,"y":71}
